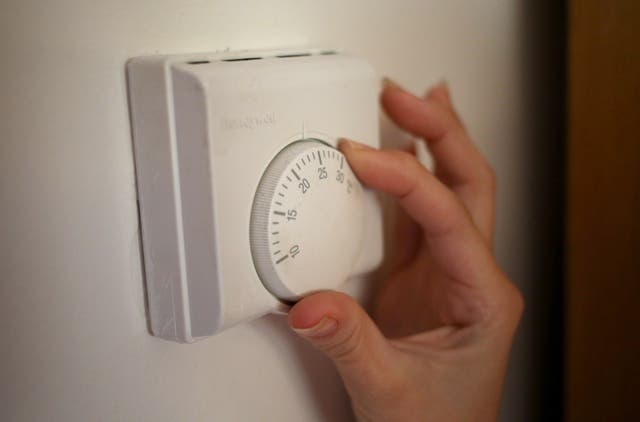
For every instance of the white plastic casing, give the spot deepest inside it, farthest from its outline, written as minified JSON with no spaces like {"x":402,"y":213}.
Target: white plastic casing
{"x":205,"y":129}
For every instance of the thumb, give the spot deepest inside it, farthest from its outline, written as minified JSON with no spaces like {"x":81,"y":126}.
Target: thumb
{"x":336,"y":325}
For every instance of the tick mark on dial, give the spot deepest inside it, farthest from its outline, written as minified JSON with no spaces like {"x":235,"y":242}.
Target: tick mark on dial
{"x":275,"y":243}
{"x":289,"y":179}
{"x":275,"y":222}
{"x":303,"y":161}
{"x":280,"y":193}
{"x":275,"y":233}
{"x":308,"y":159}
{"x":279,"y":213}
{"x":282,"y":259}
{"x":278,"y":203}
{"x":341,"y":161}
{"x":298,"y":165}
{"x":295,"y":174}
{"x":277,"y":252}
{"x":285,"y":186}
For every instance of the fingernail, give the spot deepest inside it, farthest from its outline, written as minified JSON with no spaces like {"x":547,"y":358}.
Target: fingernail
{"x":324,"y":327}
{"x":390,"y":83}
{"x":353,"y":145}
{"x":443,"y":86}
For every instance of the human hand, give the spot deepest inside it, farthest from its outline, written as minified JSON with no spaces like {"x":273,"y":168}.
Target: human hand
{"x":445,"y":318}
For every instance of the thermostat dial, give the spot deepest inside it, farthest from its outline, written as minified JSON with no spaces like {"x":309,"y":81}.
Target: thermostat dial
{"x":306,"y":225}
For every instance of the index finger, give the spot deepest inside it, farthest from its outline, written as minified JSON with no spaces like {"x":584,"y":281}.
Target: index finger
{"x":453,"y":240}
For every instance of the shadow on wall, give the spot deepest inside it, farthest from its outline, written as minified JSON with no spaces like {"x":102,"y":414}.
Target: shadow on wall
{"x":322,"y":380}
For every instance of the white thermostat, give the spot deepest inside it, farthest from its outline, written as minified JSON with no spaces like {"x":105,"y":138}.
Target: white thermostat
{"x":245,"y":203}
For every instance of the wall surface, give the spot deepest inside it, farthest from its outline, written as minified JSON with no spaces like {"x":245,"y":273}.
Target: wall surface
{"x":75,"y":344}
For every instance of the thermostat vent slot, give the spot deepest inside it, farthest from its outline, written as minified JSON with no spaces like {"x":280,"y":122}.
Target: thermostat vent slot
{"x":287,"y":56}
{"x":242,"y":59}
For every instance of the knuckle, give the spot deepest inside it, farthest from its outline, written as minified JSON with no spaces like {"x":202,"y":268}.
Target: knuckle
{"x":345,"y":348}
{"x":412,"y":171}
{"x":405,"y":159}
{"x":512,"y":302}
{"x":453,"y":215}
{"x":484,"y":176}
{"x":450,"y":121}
{"x":518,"y":301}
{"x":490,"y":175}
{"x":459,"y":132}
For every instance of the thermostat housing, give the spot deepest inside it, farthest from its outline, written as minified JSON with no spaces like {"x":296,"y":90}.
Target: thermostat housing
{"x":205,"y":129}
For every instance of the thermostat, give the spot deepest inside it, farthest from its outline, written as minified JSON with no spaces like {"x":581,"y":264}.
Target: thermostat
{"x":246,"y":205}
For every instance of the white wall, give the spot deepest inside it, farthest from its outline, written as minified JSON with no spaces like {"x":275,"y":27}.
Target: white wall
{"x":75,"y":345}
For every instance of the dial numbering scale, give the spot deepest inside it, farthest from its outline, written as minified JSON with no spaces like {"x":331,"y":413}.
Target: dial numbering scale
{"x":308,"y":200}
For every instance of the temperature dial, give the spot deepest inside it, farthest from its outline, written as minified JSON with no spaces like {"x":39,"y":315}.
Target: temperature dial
{"x":307,"y":220}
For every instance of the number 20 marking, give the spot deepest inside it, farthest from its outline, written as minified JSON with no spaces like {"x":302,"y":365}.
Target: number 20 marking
{"x":304,"y":185}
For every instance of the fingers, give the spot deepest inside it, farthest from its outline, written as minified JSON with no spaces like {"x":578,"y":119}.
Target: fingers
{"x":453,"y":240}
{"x":440,"y":93}
{"x":423,"y":118}
{"x":336,"y":325}
{"x":406,"y":240}
{"x":407,"y":235}
{"x":459,"y":164}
